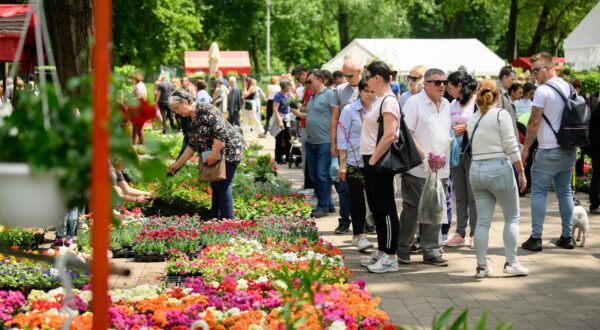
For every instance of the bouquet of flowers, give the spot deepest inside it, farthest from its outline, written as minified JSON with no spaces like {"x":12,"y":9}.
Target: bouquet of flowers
{"x":432,"y":205}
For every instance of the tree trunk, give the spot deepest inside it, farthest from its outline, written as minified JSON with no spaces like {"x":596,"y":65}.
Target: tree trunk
{"x":342,"y":20}
{"x":512,"y":30}
{"x":71,"y":27}
{"x":254,"y":53}
{"x":539,"y":30}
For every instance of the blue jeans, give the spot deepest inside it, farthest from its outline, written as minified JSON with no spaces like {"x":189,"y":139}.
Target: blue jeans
{"x":493,"y":181}
{"x":222,"y":194}
{"x":552,"y":165}
{"x":343,"y":191}
{"x":318,"y":160}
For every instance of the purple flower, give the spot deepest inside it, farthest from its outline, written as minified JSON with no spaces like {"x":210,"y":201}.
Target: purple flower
{"x":436,"y":162}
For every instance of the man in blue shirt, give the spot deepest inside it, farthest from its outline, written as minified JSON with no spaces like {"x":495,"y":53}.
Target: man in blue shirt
{"x":318,"y":155}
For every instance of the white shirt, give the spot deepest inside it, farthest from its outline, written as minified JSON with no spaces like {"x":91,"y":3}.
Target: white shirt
{"x":547,"y":98}
{"x":431,"y":129}
{"x":523,"y":106}
{"x":370,"y":126}
{"x":300,"y":92}
{"x":272,"y":90}
{"x":140,"y":90}
{"x":458,"y":110}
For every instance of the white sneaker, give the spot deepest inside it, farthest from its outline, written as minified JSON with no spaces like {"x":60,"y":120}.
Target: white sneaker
{"x":372,"y":259}
{"x":364,"y":244}
{"x":355,"y":240}
{"x":515,"y":269}
{"x":481,"y":272}
{"x":471,"y":242}
{"x":385,"y":264}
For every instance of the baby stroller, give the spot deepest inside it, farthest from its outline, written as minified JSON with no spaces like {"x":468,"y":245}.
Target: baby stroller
{"x":295,"y":156}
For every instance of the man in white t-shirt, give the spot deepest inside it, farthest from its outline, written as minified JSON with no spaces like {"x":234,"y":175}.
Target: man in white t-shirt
{"x":427,"y":116}
{"x":552,"y":163}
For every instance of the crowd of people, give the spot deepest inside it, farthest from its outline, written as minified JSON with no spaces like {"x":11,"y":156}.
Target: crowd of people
{"x":351,"y":117}
{"x":498,"y":138}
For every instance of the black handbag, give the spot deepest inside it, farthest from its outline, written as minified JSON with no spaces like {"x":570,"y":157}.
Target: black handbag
{"x":402,"y":155}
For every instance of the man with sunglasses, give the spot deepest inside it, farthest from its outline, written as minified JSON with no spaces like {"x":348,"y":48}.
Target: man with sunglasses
{"x":415,"y":83}
{"x":551,"y":163}
{"x":427,"y":116}
{"x":343,"y":95}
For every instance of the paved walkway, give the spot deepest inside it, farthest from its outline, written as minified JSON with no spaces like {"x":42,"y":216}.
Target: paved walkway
{"x":562,"y":291}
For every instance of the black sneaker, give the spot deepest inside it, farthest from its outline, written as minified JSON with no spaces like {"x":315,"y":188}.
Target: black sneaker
{"x":332,"y":210}
{"x":370,"y":229}
{"x":342,"y":229}
{"x":416,"y":246}
{"x":565,"y":243}
{"x":436,"y":261}
{"x":318,"y":214}
{"x":532,"y":244}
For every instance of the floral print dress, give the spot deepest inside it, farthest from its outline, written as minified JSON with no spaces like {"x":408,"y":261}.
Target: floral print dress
{"x":209,"y":124}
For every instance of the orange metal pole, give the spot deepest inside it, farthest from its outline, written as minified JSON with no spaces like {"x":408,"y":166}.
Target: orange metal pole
{"x":100,"y":181}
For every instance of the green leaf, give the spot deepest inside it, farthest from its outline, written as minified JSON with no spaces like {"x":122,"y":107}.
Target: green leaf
{"x":482,"y":321}
{"x":152,"y":169}
{"x":439,"y":323}
{"x":461,"y":322}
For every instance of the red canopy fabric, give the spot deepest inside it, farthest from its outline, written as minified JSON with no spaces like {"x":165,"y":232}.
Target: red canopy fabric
{"x":523,"y":63}
{"x":12,"y":18}
{"x":229,"y":61}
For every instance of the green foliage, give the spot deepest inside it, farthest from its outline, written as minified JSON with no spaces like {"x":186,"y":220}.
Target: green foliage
{"x":148,"y":33}
{"x":441,"y":322}
{"x":590,"y":80}
{"x":23,"y":238}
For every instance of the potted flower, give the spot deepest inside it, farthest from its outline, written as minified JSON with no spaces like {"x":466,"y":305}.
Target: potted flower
{"x":45,"y":159}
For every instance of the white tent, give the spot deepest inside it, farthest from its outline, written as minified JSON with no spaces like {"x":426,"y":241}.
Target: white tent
{"x":403,"y":54}
{"x":582,"y":46}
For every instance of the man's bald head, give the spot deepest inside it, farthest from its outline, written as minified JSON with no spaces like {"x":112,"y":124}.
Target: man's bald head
{"x":352,"y":71}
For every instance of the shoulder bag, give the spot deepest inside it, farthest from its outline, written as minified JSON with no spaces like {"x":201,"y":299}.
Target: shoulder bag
{"x":212,"y":173}
{"x":402,"y":155}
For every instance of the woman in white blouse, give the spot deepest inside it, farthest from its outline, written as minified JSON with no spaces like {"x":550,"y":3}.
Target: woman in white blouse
{"x":493,"y":144}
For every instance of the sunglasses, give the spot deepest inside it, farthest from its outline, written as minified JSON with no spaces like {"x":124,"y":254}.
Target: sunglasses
{"x":537,"y":70}
{"x":348,"y":75}
{"x":438,"y":82}
{"x":308,"y":82}
{"x":413,"y":78}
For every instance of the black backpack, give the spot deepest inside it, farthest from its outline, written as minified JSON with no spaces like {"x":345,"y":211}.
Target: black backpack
{"x":574,"y":124}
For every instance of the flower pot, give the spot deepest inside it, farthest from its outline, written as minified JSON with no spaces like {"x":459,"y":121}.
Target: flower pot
{"x":29,"y":199}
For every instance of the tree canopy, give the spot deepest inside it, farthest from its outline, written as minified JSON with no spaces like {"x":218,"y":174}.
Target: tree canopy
{"x":148,"y":33}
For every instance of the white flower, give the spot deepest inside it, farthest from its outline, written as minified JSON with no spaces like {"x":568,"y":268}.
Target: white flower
{"x":234,"y":311}
{"x":337,"y":325}
{"x":214,"y":284}
{"x":242,"y":284}
{"x":281,"y":284}
{"x":13,"y":131}
{"x":262,"y":279}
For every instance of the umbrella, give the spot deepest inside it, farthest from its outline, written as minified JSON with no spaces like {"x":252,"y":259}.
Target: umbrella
{"x":213,"y":58}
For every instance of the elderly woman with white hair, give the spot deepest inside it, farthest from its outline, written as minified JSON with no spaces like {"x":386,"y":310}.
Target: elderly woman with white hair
{"x":209,"y":131}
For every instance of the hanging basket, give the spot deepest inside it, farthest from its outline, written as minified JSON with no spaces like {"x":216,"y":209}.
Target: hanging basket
{"x":29,"y":199}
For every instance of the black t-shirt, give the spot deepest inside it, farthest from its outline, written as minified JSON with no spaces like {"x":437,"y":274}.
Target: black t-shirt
{"x":165,"y":89}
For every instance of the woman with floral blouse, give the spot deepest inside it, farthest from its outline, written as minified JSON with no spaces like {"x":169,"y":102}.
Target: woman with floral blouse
{"x":208,"y":131}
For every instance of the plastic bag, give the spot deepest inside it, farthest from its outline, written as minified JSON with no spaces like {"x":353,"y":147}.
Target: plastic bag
{"x":333,"y":169}
{"x":432,"y":205}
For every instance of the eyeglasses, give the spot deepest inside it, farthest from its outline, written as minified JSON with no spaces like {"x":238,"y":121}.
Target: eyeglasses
{"x":438,"y":82}
{"x":413,"y":78}
{"x":537,"y":70}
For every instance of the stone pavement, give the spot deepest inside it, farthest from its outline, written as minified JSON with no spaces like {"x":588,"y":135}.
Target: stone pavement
{"x":562,"y":291}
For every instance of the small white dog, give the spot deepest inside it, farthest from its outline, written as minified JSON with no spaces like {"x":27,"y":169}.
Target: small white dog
{"x":581,"y":222}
